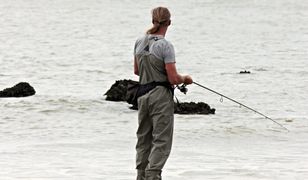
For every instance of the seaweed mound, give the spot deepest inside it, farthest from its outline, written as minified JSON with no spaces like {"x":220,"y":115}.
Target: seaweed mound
{"x":245,"y":72}
{"x":193,"y":108}
{"x":118,"y":91}
{"x":22,"y":89}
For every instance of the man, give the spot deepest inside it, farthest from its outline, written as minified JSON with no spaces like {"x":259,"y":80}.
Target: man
{"x":154,"y":62}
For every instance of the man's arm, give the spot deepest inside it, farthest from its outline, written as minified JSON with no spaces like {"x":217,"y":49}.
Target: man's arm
{"x":136,"y":70}
{"x":175,"y":78}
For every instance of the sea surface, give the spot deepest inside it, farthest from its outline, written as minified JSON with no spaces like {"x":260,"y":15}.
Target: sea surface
{"x":72,"y":51}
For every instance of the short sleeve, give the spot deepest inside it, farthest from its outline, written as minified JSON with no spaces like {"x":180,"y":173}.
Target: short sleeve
{"x":168,"y":53}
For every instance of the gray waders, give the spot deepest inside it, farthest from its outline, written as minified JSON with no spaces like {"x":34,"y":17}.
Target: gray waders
{"x":155,"y":118}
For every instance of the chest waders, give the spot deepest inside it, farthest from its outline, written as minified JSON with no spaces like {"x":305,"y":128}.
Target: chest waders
{"x":155,"y":118}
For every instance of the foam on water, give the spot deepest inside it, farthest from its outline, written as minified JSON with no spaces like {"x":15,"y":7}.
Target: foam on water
{"x":71,"y":52}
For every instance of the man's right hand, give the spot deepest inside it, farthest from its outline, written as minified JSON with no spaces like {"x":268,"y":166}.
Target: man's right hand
{"x":187,"y":79}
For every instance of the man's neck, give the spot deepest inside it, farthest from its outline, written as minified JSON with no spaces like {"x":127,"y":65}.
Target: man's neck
{"x":161,"y":31}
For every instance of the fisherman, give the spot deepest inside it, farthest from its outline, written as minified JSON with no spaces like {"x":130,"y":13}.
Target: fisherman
{"x":154,"y":63}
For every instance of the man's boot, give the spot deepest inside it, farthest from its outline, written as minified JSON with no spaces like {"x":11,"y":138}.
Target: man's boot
{"x":153,"y":175}
{"x":140,"y":174}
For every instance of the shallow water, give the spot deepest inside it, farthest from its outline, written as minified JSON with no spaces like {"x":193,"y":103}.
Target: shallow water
{"x":71,"y":52}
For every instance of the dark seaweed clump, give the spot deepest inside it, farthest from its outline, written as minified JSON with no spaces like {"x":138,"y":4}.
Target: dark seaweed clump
{"x":193,"y":108}
{"x":118,"y":91}
{"x":22,"y":89}
{"x":245,"y":72}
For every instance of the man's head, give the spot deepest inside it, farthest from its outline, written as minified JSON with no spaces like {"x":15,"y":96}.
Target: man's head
{"x":160,"y":18}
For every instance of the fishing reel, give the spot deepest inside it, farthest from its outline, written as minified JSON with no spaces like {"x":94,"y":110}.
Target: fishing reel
{"x":182,"y":88}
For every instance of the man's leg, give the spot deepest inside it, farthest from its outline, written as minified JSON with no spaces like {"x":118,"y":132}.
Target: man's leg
{"x":144,"y":140}
{"x":163,"y":122}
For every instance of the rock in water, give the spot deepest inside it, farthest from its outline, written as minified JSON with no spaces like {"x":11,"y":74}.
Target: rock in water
{"x":118,"y":91}
{"x":21,"y":89}
{"x":193,"y":108}
{"x":245,"y":72}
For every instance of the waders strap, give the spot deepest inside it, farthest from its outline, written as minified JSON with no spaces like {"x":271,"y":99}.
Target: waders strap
{"x":145,"y":88}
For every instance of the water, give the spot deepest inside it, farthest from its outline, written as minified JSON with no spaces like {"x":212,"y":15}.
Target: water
{"x":71,"y":52}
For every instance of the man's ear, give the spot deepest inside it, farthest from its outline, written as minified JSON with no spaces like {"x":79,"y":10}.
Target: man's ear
{"x":169,"y":22}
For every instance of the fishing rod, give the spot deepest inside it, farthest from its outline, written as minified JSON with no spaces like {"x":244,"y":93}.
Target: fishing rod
{"x":241,"y":105}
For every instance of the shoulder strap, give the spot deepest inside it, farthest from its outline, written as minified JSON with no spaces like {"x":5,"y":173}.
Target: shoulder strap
{"x":147,"y":47}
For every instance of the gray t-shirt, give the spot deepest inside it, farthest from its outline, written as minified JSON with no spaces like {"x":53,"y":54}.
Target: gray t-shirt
{"x":159,"y":47}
